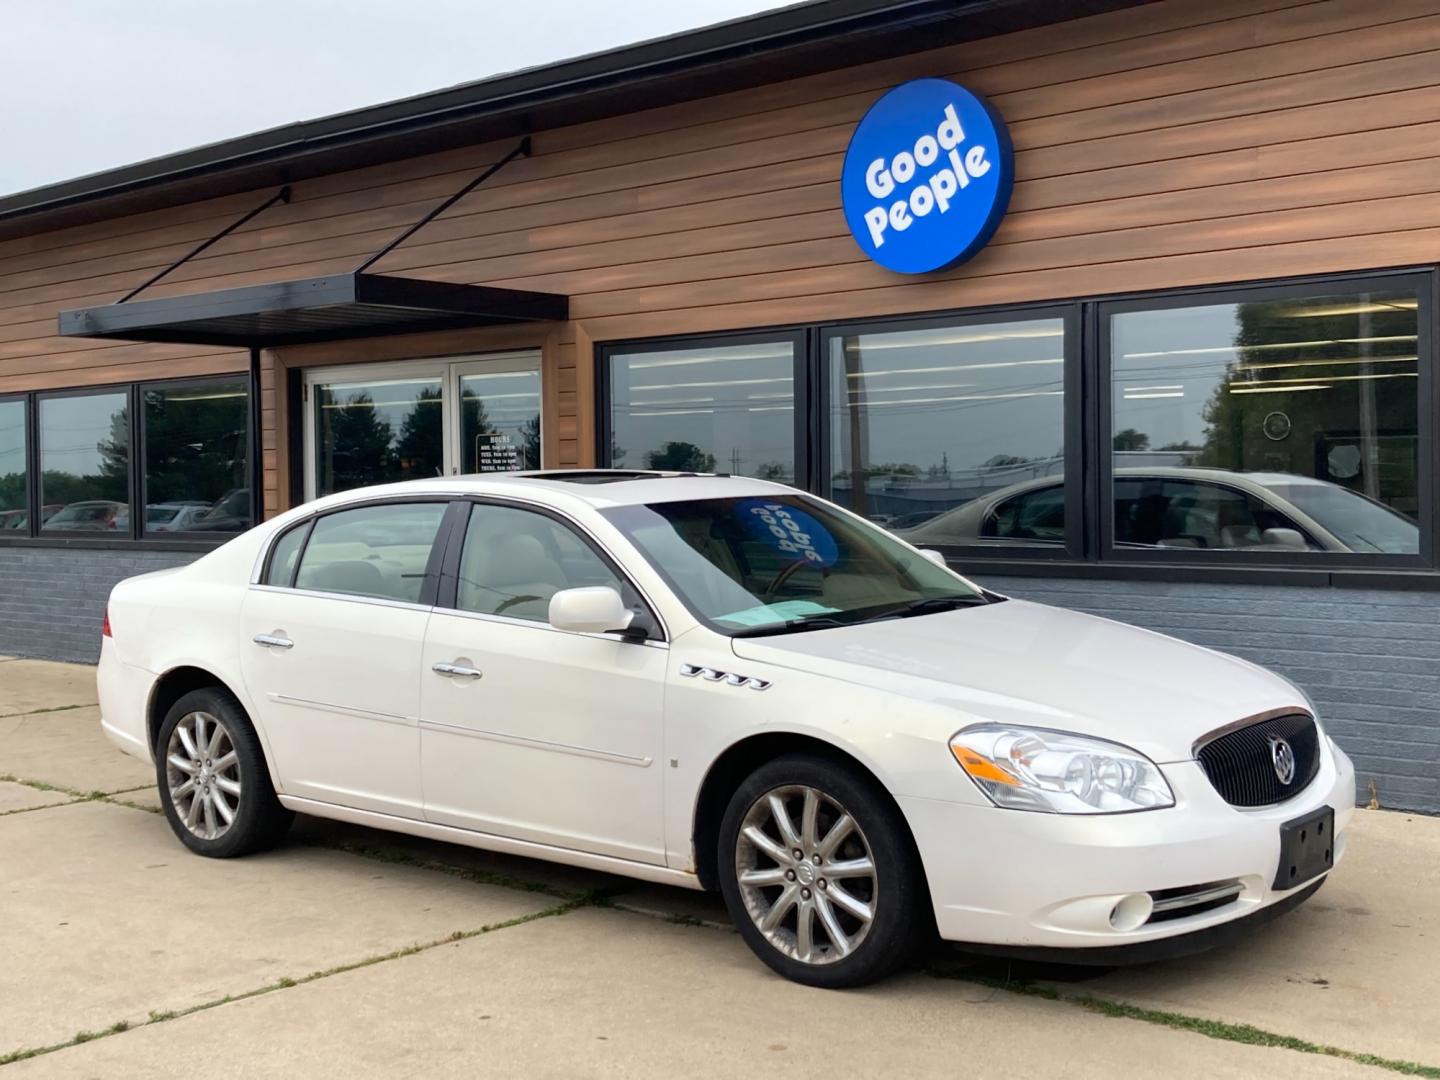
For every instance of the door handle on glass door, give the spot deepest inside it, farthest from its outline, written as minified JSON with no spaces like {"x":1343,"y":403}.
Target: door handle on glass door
{"x":274,"y":641}
{"x":461,"y":671}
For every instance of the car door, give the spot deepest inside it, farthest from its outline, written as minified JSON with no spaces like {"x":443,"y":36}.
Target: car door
{"x":333,"y":634}
{"x":528,"y":731}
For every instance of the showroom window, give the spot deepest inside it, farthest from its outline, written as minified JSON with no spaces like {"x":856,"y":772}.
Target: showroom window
{"x":1274,"y":422}
{"x":727,"y":406}
{"x":74,"y":464}
{"x":196,"y":441}
{"x":954,"y":432}
{"x":1286,"y":425}
{"x":85,"y":463}
{"x":14,"y":467}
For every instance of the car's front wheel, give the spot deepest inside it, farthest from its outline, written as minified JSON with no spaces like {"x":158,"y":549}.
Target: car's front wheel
{"x":214,"y":786}
{"x":819,"y":872}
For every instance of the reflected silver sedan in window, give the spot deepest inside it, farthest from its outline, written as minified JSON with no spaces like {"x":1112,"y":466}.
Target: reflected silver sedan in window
{"x":1197,"y":508}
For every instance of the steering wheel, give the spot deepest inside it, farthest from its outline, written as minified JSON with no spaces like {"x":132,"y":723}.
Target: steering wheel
{"x":513,"y":601}
{"x":784,"y":575}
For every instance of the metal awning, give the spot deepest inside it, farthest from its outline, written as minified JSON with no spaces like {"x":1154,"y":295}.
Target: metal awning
{"x":331,"y":308}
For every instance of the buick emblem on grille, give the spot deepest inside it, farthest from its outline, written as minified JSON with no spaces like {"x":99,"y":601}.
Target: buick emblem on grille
{"x":1283,"y":758}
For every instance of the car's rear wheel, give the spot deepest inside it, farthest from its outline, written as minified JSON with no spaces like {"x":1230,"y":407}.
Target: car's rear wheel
{"x":214,"y":786}
{"x":819,"y":872}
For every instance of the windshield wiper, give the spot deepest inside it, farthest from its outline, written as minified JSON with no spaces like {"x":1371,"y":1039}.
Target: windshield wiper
{"x":791,"y":626}
{"x":928,"y":606}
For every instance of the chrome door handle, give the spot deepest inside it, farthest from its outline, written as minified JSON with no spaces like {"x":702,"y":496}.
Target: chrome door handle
{"x":274,"y":640}
{"x":458,"y":670}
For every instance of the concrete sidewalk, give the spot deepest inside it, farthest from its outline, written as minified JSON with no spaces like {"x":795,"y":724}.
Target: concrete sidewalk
{"x":363,"y":954}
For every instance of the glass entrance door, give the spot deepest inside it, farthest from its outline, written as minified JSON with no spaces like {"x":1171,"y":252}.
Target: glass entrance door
{"x":498,"y":421}
{"x":380,"y":423}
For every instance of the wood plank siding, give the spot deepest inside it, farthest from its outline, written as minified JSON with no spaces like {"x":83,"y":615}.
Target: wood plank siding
{"x":1169,"y":145}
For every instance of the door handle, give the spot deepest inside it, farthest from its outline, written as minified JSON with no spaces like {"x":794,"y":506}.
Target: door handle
{"x":459,"y":671}
{"x":274,"y":641}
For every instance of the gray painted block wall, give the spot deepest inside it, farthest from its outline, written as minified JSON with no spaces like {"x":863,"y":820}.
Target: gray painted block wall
{"x":52,"y":601}
{"x":1370,"y":660}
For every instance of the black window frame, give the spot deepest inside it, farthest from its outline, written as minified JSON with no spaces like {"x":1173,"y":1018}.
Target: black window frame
{"x":1072,"y":476}
{"x":135,"y":536}
{"x":801,"y":340}
{"x":1427,"y":406}
{"x":27,"y":422}
{"x":138,"y":463}
{"x":37,"y":529}
{"x":1088,"y":550}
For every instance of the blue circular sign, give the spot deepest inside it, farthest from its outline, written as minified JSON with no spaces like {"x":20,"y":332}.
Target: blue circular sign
{"x":789,"y":530}
{"x":927,"y":176}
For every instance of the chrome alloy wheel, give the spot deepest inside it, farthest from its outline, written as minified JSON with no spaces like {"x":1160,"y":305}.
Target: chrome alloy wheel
{"x":806,"y":874}
{"x":203,"y":774}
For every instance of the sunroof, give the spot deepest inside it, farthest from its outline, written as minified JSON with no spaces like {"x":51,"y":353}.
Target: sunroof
{"x":609,"y":476}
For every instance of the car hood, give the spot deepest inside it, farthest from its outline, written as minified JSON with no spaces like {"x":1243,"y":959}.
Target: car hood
{"x":1024,"y":663}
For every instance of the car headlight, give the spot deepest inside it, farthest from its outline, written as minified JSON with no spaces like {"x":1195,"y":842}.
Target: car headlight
{"x":1058,"y":773}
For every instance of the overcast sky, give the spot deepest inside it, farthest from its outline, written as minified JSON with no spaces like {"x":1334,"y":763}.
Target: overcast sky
{"x":86,"y":85}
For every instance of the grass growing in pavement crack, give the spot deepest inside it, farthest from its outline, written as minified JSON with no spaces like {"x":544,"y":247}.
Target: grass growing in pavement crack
{"x":76,"y":796}
{"x":1214,"y":1029}
{"x":285,"y":983}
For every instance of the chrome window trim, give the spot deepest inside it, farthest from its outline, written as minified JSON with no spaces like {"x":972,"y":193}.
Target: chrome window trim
{"x":354,"y":598}
{"x":1258,"y":718}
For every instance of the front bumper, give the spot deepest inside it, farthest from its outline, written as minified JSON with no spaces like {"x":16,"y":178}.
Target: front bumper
{"x":1021,"y":879}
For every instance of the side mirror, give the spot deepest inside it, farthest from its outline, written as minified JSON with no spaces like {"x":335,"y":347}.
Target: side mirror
{"x":595,"y":609}
{"x":934,"y":556}
{"x":1285,"y":538}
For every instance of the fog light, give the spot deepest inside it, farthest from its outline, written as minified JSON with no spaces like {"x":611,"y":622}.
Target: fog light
{"x":1132,"y":911}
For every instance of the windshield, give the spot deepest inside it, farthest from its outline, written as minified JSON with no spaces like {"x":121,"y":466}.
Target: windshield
{"x":1357,"y":522}
{"x":766,"y":564}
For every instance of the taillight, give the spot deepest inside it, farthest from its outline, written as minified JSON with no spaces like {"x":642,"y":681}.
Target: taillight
{"x":105,"y":626}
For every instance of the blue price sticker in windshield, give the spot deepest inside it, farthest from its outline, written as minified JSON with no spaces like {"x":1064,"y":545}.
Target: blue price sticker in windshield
{"x":790,"y":531}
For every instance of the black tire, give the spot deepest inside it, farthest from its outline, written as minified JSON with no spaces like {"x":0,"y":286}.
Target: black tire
{"x":896,"y":896}
{"x":259,"y":819}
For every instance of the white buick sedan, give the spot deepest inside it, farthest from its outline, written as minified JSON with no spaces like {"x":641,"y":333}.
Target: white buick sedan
{"x":724,"y":684}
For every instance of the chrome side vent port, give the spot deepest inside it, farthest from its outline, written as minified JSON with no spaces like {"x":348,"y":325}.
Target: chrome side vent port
{"x":1192,"y":900}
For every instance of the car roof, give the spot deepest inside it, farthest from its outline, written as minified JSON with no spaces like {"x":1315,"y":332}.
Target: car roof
{"x":599,"y":488}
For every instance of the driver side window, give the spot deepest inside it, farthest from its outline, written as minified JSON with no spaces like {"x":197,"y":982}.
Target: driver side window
{"x":513,"y":561}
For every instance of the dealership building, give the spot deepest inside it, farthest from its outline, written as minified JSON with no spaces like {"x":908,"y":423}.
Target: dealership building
{"x":1127,"y":307}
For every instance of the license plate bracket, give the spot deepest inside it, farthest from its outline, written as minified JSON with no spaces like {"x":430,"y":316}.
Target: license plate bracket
{"x":1307,"y":848}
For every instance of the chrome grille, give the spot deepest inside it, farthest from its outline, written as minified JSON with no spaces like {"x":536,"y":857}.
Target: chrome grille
{"x":1241,"y":764}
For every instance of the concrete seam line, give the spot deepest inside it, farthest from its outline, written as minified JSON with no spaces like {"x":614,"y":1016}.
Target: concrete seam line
{"x":285,"y":983}
{"x":79,"y":796}
{"x":52,"y":709}
{"x":1247,"y":1034}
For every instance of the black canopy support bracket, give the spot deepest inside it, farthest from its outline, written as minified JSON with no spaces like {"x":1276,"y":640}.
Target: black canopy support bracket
{"x":283,"y":195}
{"x":521,"y":150}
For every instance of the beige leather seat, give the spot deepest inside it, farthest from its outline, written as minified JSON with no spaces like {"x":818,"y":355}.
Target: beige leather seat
{"x":510,"y":575}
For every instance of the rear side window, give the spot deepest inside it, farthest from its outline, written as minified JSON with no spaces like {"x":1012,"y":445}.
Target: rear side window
{"x":281,"y":570}
{"x":378,"y":551}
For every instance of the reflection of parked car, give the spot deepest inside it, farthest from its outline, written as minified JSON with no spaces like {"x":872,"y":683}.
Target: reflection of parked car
{"x":93,"y":515}
{"x":1210,"y":509}
{"x":231,"y":513}
{"x":174,"y":516}
{"x":20,"y":519}
{"x":910,"y":520}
